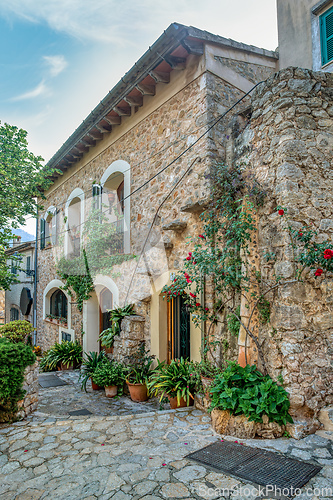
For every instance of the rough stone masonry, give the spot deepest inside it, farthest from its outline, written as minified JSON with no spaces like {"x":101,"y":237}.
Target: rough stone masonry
{"x":288,"y":146}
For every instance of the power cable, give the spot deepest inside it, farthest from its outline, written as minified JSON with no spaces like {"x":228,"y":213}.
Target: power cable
{"x":180,"y":155}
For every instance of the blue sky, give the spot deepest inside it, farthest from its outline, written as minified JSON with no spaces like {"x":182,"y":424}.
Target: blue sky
{"x":59,"y":58}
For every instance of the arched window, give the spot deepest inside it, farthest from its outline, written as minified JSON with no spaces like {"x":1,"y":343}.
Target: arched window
{"x":58,"y":304}
{"x":74,"y":213}
{"x":14,"y":314}
{"x":49,"y":228}
{"x":115,"y":184}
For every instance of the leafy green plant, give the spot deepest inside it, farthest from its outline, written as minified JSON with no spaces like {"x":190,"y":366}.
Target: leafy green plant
{"x":90,"y":362}
{"x":14,"y":358}
{"x":17,"y":331}
{"x":206,"y":368}
{"x":264,"y":309}
{"x":246,"y":391}
{"x":178,"y":379}
{"x":68,"y":353}
{"x":111,"y":373}
{"x":116,"y":315}
{"x":81,"y":284}
{"x":233,"y":322}
{"x":139,"y":367}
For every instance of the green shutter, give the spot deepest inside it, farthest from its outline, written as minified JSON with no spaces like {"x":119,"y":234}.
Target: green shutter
{"x":97,"y":196}
{"x":42,"y":234}
{"x":326,"y":36}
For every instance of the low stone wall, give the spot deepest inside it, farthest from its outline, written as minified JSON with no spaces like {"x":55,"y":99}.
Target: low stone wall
{"x":30,"y":385}
{"x":132,"y":333}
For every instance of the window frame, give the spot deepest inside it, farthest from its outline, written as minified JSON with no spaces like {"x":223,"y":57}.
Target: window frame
{"x":323,"y":36}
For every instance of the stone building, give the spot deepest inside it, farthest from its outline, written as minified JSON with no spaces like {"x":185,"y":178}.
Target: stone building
{"x":305,"y":30}
{"x":19,"y":299}
{"x":159,"y":109}
{"x":127,"y":160}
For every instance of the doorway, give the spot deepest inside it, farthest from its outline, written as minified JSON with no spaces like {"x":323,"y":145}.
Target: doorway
{"x":178,"y":328}
{"x":105,"y":304}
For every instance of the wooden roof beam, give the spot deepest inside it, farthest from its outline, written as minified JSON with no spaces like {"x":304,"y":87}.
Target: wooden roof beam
{"x":122,"y":111}
{"x":82,"y":147}
{"x":112,"y":120}
{"x":193,"y":47}
{"x":95,"y":134}
{"x":103,"y":129}
{"x":146,"y":89}
{"x":136,"y":100}
{"x":176,"y":63}
{"x":160,"y":77}
{"x":88,"y":141}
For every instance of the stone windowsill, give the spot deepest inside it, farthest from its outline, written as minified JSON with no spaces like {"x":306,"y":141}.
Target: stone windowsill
{"x":55,"y":322}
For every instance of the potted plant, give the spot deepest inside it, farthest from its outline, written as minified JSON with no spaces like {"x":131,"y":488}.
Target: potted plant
{"x":177,"y":381}
{"x":64,"y":356}
{"x":116,"y":315}
{"x":89,"y":364}
{"x":138,"y":373}
{"x":109,"y":375}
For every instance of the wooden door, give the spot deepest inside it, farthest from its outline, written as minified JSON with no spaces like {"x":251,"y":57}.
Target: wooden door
{"x":178,"y":330}
{"x":105,"y":303}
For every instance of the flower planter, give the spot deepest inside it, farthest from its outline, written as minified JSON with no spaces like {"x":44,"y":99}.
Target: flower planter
{"x":182,"y":403}
{"x":94,"y":386}
{"x":64,"y":367}
{"x":138,"y":392}
{"x":111,"y":391}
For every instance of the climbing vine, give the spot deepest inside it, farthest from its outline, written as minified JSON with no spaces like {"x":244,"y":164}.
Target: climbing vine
{"x":80,"y":284}
{"x":221,"y":252}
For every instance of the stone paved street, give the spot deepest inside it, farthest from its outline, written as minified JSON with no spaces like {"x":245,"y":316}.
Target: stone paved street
{"x":125,"y":456}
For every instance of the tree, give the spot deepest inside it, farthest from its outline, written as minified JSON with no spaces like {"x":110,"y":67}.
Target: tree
{"x":23,"y":178}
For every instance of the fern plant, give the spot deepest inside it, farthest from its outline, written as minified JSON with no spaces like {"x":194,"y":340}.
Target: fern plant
{"x":91,"y":361}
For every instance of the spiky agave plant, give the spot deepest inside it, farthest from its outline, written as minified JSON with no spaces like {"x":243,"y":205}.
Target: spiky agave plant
{"x":90,"y":362}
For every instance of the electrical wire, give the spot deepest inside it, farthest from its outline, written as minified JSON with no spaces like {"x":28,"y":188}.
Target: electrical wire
{"x":178,"y":157}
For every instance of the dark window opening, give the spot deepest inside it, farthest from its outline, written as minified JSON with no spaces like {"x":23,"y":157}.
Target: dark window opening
{"x":58,"y":304}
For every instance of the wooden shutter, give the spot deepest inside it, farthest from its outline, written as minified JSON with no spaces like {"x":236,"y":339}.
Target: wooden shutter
{"x":42,"y":234}
{"x":54,"y":227}
{"x":326,"y":35}
{"x":97,"y":196}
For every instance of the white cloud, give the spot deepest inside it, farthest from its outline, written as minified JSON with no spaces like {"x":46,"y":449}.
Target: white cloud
{"x":40,"y":90}
{"x":56,"y":64}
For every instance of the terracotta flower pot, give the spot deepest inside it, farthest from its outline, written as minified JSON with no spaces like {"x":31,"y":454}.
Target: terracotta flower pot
{"x":138,"y":392}
{"x":111,"y":391}
{"x":63,"y":367}
{"x":183,"y":403}
{"x":94,"y":386}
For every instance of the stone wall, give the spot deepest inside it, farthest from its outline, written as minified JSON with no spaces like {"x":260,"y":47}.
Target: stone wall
{"x":288,"y":146}
{"x":132,"y":333}
{"x":30,"y":384}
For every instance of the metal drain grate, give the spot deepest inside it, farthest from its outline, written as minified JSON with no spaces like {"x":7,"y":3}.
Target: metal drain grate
{"x":257,"y":466}
{"x":50,"y":381}
{"x":76,"y":413}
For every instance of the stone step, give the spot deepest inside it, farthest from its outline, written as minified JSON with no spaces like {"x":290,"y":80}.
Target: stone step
{"x":326,"y":418}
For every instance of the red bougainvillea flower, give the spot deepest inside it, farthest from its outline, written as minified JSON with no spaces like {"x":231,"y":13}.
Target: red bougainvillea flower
{"x":198,"y":304}
{"x":192,"y":295}
{"x":190,"y":254}
{"x":206,"y":309}
{"x":328,"y":254}
{"x":188,"y":258}
{"x":300,"y":234}
{"x":201,"y":236}
{"x":186,"y":275}
{"x":281,"y":212}
{"x":319,"y":272}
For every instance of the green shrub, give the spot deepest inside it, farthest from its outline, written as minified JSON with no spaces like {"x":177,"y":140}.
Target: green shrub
{"x":89,"y":364}
{"x":234,"y":323}
{"x":107,"y":374}
{"x":178,"y":379}
{"x":17,"y":331}
{"x":139,"y":366}
{"x":14,"y":358}
{"x":67,"y":353}
{"x":246,"y":391}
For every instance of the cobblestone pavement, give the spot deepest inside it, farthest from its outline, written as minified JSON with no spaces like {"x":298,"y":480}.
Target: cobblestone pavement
{"x":128,"y":456}
{"x":58,"y":401}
